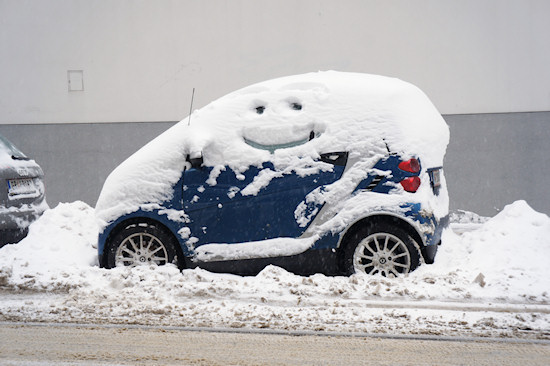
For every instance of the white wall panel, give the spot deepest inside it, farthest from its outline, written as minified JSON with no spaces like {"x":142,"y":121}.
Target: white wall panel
{"x":141,"y":59}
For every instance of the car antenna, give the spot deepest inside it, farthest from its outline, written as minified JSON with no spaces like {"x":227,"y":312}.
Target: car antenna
{"x":191,"y":107}
{"x":387,"y":146}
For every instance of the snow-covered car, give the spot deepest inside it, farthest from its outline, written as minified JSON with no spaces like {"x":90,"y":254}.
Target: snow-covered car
{"x":22,"y":198}
{"x":323,"y":172}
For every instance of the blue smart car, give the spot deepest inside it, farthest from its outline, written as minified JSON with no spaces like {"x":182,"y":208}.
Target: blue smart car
{"x":299,"y":172}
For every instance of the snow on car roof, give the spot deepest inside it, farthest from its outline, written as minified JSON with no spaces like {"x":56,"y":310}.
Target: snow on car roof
{"x":289,"y":121}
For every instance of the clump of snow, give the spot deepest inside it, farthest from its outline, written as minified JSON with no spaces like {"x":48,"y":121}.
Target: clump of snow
{"x":507,"y":257}
{"x":466,"y":217}
{"x":277,"y":247}
{"x":464,"y":221}
{"x":360,"y":113}
{"x":57,"y":252}
{"x":490,"y":281}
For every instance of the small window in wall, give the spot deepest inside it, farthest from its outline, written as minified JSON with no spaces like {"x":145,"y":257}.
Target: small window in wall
{"x":76,"y":80}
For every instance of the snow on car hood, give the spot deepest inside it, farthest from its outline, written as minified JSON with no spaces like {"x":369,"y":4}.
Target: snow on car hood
{"x":289,"y":121}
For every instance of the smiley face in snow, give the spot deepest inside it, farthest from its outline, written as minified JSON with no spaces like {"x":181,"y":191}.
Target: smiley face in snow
{"x":274,"y":117}
{"x":280,"y":126}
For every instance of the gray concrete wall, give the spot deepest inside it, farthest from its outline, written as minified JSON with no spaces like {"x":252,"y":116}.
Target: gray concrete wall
{"x":492,"y":159}
{"x":77,"y":158}
{"x":495,"y":159}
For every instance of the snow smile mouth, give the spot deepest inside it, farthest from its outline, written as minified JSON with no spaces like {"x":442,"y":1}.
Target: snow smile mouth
{"x":285,"y":145}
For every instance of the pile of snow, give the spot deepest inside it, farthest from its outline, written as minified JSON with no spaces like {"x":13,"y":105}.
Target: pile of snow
{"x":502,"y":265}
{"x":360,"y":113}
{"x":57,"y":253}
{"x":508,"y":255}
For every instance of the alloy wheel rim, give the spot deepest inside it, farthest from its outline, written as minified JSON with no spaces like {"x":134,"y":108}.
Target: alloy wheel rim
{"x":382,"y":253}
{"x":141,"y":249}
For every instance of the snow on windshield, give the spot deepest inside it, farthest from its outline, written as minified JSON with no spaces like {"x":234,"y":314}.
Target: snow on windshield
{"x":289,"y":121}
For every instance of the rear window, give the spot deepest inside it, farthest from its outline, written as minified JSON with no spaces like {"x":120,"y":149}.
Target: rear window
{"x":7,"y":148}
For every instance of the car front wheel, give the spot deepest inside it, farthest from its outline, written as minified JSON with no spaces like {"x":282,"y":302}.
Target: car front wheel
{"x":381,"y":249}
{"x":141,"y":244}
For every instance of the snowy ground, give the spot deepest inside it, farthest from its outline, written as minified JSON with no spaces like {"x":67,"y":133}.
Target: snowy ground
{"x":491,"y":280}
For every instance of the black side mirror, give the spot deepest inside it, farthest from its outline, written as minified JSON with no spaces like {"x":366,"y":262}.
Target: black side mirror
{"x":195,"y":160}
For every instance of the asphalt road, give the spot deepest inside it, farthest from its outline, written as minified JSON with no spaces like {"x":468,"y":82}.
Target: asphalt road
{"x":50,"y":344}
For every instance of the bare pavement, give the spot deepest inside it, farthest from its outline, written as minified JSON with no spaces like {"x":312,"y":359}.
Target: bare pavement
{"x":73,"y":344}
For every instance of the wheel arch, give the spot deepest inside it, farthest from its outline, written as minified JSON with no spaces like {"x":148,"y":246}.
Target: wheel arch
{"x":387,"y":218}
{"x":136,"y":220}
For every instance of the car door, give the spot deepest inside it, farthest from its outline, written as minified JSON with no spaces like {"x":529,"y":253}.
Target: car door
{"x":223,"y":213}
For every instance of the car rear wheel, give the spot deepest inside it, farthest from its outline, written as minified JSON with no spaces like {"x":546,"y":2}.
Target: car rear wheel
{"x":141,"y":244}
{"x":381,"y":249}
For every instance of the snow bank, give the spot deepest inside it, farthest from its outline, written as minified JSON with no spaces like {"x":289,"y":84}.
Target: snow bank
{"x":506,"y":258}
{"x":57,"y":253}
{"x":363,"y":114}
{"x":502,"y":264}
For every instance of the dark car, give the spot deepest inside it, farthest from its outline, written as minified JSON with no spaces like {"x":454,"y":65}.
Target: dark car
{"x":22,"y":198}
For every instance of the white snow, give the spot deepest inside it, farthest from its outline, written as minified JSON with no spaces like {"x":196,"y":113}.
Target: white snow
{"x":359,"y":113}
{"x":58,"y":249}
{"x":492,"y":281}
{"x":270,"y":248}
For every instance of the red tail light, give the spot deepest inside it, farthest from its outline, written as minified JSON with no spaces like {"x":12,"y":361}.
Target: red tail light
{"x":411,"y":184}
{"x":411,"y":166}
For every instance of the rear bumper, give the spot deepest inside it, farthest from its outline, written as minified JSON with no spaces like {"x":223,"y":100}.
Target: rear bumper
{"x":429,"y":251}
{"x":15,"y":221}
{"x":12,"y":236}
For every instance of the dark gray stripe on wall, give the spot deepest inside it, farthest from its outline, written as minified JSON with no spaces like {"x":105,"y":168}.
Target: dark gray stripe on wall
{"x":492,"y":159}
{"x":496,"y":159}
{"x":77,"y":158}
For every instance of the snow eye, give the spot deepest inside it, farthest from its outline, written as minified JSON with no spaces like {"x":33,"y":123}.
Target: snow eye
{"x":260,"y":109}
{"x":296,"y":106}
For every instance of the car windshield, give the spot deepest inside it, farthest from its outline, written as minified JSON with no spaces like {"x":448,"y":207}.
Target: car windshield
{"x":6,"y":147}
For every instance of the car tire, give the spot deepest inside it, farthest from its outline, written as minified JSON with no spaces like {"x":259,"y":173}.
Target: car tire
{"x":141,"y":244}
{"x":382,"y":249}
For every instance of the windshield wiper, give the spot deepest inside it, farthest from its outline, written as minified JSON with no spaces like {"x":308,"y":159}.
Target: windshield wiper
{"x":15,"y":157}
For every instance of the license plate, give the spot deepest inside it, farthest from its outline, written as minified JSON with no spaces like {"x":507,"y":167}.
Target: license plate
{"x":21,"y":186}
{"x":436,"y":177}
